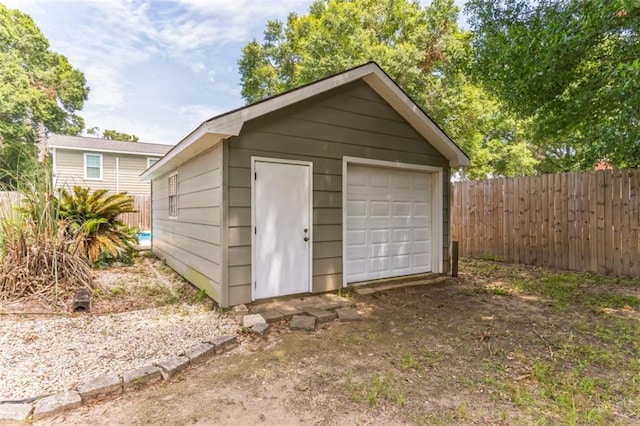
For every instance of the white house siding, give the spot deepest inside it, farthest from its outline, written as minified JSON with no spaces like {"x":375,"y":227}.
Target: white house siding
{"x":191,"y":243}
{"x":69,"y":167}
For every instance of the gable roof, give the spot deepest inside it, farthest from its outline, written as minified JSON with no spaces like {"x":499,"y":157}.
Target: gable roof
{"x":230,"y":123}
{"x":82,"y":143}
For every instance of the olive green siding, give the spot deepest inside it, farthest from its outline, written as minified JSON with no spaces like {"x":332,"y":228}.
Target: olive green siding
{"x":192,"y":243}
{"x":69,"y":171}
{"x":351,"y":120}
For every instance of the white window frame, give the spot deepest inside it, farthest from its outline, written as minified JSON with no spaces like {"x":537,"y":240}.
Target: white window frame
{"x":150,"y":159}
{"x":173,"y":213}
{"x":95,"y":154}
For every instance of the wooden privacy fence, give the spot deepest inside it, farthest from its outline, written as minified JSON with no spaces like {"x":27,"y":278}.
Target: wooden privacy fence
{"x":142,"y":219}
{"x":577,"y":221}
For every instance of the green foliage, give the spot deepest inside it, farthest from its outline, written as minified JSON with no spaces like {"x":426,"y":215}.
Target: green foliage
{"x":570,"y":69}
{"x":36,"y":253}
{"x":94,"y":215}
{"x":112,"y":135}
{"x":420,"y":48}
{"x":38,"y":88}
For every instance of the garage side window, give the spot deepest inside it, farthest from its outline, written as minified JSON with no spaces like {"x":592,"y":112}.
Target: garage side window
{"x":173,"y":195}
{"x":92,"y":166}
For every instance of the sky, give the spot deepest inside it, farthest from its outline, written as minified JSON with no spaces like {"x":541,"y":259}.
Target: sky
{"x":156,"y":68}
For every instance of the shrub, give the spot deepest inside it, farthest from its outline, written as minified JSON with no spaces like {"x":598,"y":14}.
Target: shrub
{"x":93,"y":218}
{"x":36,"y":251}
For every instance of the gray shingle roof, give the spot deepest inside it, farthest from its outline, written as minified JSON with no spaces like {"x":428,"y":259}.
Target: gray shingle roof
{"x":106,"y":145}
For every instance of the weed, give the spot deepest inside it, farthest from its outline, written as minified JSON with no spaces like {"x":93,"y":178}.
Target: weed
{"x":202,"y":295}
{"x":407,"y":362}
{"x":117,"y":291}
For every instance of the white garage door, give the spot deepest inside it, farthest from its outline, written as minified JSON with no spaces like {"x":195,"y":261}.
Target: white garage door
{"x":388,"y":223}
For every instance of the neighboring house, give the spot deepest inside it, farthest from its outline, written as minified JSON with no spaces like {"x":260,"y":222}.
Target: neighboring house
{"x":102,"y":163}
{"x":340,"y":181}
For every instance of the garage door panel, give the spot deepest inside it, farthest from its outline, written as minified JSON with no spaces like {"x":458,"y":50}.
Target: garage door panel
{"x":357,"y":267}
{"x":401,"y":262}
{"x":357,"y":237}
{"x":401,"y":208}
{"x":379,"y":264}
{"x":421,"y":234}
{"x":356,"y":208}
{"x":379,"y":236}
{"x":420,"y":209}
{"x":422,"y":261}
{"x":378,"y":180}
{"x":379,"y":208}
{"x":388,"y":222}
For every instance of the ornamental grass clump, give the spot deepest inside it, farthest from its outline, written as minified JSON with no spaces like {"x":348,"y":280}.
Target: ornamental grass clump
{"x":48,"y":244}
{"x":38,"y":257}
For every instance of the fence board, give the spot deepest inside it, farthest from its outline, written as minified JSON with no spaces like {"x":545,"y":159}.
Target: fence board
{"x":140,"y":220}
{"x":583,"y":222}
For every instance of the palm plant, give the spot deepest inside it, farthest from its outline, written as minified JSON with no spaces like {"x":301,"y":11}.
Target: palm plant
{"x":93,"y":217}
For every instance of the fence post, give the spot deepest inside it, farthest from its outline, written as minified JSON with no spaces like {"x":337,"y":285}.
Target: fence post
{"x":454,"y":258}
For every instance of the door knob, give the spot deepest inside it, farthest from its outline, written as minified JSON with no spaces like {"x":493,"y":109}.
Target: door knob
{"x":306,"y":238}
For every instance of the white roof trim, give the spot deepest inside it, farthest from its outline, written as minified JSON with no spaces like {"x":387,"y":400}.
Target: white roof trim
{"x":230,"y":124}
{"x":77,"y":148}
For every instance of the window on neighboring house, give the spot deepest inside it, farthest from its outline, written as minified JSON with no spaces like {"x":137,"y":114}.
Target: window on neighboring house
{"x":173,"y":195}
{"x":151,"y":161}
{"x":92,"y":166}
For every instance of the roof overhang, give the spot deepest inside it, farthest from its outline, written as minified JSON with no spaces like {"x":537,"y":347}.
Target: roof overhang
{"x":111,"y":151}
{"x":230,"y":124}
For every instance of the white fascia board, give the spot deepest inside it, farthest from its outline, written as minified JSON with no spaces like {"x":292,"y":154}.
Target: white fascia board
{"x":196,"y":142}
{"x":391,"y":93}
{"x":111,"y":151}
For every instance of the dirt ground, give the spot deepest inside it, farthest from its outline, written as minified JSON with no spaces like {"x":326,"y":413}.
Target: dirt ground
{"x":487,"y":348}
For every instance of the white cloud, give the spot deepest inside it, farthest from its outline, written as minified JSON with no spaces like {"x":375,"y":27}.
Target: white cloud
{"x":156,"y":69}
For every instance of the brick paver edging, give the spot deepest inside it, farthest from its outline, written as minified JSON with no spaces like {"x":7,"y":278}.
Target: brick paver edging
{"x":112,"y":383}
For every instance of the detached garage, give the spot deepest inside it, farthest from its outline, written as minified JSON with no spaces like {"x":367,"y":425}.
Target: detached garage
{"x":341,"y":181}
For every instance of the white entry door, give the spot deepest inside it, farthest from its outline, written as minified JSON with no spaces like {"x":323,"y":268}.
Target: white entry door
{"x":282,"y":228}
{"x":388,"y":221}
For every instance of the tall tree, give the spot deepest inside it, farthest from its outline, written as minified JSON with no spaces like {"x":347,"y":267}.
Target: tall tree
{"x":571,"y":68}
{"x":113,"y":135}
{"x":39,"y":91}
{"x":415,"y":45}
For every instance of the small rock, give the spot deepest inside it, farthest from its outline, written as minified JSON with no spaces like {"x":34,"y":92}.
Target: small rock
{"x":303,"y":322}
{"x":199,"y":352}
{"x":106,"y":384}
{"x":348,"y":314}
{"x":261,"y":329}
{"x":133,"y":379}
{"x":19,"y":412}
{"x":171,"y":366}
{"x":224,"y":343}
{"x":238,"y":309}
{"x":250,"y":320}
{"x":239,"y":312}
{"x":55,"y":404}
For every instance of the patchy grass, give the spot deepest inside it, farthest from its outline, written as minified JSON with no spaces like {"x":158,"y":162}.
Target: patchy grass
{"x":503,"y":344}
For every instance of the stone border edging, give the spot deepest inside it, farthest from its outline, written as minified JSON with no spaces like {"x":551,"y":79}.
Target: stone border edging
{"x":111,"y":383}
